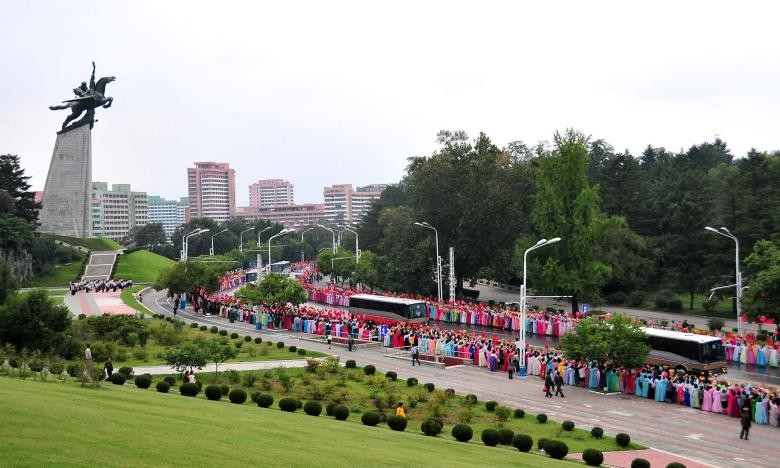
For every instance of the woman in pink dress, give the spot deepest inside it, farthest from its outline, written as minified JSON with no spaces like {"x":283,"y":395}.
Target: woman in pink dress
{"x":706,"y":404}
{"x":715,"y":404}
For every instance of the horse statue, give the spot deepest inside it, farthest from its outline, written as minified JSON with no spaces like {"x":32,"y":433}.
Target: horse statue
{"x":87,"y":99}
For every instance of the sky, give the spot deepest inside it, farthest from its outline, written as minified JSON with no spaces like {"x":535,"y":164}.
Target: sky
{"x":322,"y":93}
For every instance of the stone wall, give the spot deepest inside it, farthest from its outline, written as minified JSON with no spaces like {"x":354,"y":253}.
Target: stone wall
{"x":20,"y":264}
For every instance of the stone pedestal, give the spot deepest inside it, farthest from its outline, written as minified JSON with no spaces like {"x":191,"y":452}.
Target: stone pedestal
{"x":66,"y":197}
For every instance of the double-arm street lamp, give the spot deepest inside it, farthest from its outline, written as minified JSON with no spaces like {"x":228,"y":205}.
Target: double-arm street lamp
{"x":357,"y":245}
{"x":241,"y":239}
{"x":738,"y":284}
{"x":438,"y":258}
{"x":302,"y":246}
{"x":280,"y":233}
{"x":260,"y":233}
{"x":332,"y":232}
{"x":211,"y":251}
{"x":523,"y":299}
{"x":185,"y":242}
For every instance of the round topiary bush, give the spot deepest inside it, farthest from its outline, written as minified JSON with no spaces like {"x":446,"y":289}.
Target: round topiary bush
{"x":237,"y":396}
{"x":370,"y":419}
{"x":301,"y":352}
{"x":341,"y":412}
{"x":247,"y":338}
{"x":350,"y":364}
{"x":431,"y":427}
{"x":522,"y":442}
{"x":490,"y":437}
{"x":597,"y":432}
{"x":491,"y":405}
{"x":189,"y":389}
{"x":258,"y":340}
{"x":430,"y":387}
{"x":567,"y":425}
{"x":397,"y":423}
{"x":391,"y":375}
{"x":170,"y":379}
{"x":411,"y":382}
{"x":287,"y":404}
{"x":623,"y":439}
{"x":234,"y":335}
{"x":462,"y":432}
{"x":213,"y":392}
{"x":506,"y":436}
{"x":542,"y":418}
{"x":592,"y":457}
{"x":369,"y":370}
{"x":163,"y":386}
{"x":213,"y":329}
{"x":312,"y":408}
{"x":203,"y":328}
{"x":471,"y":399}
{"x":519,"y":414}
{"x":143,"y":381}
{"x":117,"y":379}
{"x":126,"y":371}
{"x":640,"y":463}
{"x":280,"y":344}
{"x":194,"y":325}
{"x":293,"y":349}
{"x":265,"y":400}
{"x":329,"y":408}
{"x":224,"y":333}
{"x":675,"y":465}
{"x":556,"y":449}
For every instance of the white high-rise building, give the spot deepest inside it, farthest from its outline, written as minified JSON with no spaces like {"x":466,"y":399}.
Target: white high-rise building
{"x":170,"y":213}
{"x":212,"y":191}
{"x":115,"y":212}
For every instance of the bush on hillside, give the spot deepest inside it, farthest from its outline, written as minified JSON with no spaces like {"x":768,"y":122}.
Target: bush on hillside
{"x":556,"y":449}
{"x":391,"y":375}
{"x":506,"y":436}
{"x":675,"y":465}
{"x":542,"y":418}
{"x":258,"y":340}
{"x":369,"y":369}
{"x":541,"y":442}
{"x":567,"y":425}
{"x":522,"y":442}
{"x":597,"y":432}
{"x":471,"y":399}
{"x":170,"y":379}
{"x":519,"y":414}
{"x":189,"y":389}
{"x":126,"y":371}
{"x":234,"y":335}
{"x":431,"y":427}
{"x":341,"y":412}
{"x":301,"y":352}
{"x":213,"y":329}
{"x":237,"y":396}
{"x":397,"y":423}
{"x":640,"y":463}
{"x":370,"y":419}
{"x":430,"y":387}
{"x":350,"y":364}
{"x":411,"y":382}
{"x":623,"y":439}
{"x":203,"y":328}
{"x":280,"y":344}
{"x":264,"y":400}
{"x":143,"y":381}
{"x":117,"y":379}
{"x":224,"y":389}
{"x":592,"y":457}
{"x":213,"y":392}
{"x":223,"y":332}
{"x":490,"y":405}
{"x":490,"y":437}
{"x":462,"y":432}
{"x":163,"y":386}
{"x":329,"y":408}
{"x":312,"y":408}
{"x":293,"y":349}
{"x":287,"y":404}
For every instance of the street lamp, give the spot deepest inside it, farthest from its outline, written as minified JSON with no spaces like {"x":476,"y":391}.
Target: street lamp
{"x":303,"y":259}
{"x":185,"y":242}
{"x":280,"y":233}
{"x":259,"y":233}
{"x":524,"y":297}
{"x":241,"y":241}
{"x":357,"y":245}
{"x":726,"y":233}
{"x":211,"y":252}
{"x":333,"y":233}
{"x":438,"y":258}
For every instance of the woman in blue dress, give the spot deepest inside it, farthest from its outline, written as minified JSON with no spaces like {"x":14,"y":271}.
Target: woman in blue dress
{"x":660,"y":389}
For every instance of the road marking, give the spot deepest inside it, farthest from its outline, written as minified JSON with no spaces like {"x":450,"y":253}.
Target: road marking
{"x":694,"y":436}
{"x":620,"y":413}
{"x":587,"y":405}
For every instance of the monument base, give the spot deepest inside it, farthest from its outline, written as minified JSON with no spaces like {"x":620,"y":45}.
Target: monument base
{"x":66,"y":207}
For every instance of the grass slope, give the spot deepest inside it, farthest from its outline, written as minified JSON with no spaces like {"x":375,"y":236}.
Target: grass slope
{"x":59,"y":276}
{"x":128,"y":297}
{"x":91,"y":243}
{"x":141,"y":266}
{"x":126,"y":426}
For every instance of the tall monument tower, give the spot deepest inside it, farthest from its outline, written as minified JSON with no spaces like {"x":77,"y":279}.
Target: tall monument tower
{"x":66,"y":197}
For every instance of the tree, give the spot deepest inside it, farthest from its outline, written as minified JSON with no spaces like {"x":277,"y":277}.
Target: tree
{"x":617,"y":340}
{"x":33,"y":321}
{"x":186,"y":357}
{"x":274,"y":288}
{"x":626,"y":253}
{"x":219,"y":353}
{"x":183,"y":277}
{"x":763,"y":295}
{"x":13,"y":184}
{"x":149,"y":236}
{"x":8,"y":283}
{"x":367,"y":269}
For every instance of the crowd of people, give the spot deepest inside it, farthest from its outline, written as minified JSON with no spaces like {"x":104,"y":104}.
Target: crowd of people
{"x":109,"y":285}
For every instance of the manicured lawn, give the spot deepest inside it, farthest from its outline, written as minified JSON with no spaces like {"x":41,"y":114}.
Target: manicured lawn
{"x":128,"y":297}
{"x":91,"y":243}
{"x":127,"y":426}
{"x":60,"y":276}
{"x":141,"y":266}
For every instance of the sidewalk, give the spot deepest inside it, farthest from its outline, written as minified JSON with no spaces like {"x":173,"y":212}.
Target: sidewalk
{"x":238,"y":366}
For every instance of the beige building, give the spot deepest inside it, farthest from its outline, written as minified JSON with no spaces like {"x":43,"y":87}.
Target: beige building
{"x":271,"y":192}
{"x":343,"y":205}
{"x":212,"y":191}
{"x":115,"y":212}
{"x":289,"y":216}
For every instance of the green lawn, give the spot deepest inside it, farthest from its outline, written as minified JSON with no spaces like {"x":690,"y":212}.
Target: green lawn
{"x":126,"y":426}
{"x":59,"y":276}
{"x":141,"y":266}
{"x":128,"y":297}
{"x":91,"y":243}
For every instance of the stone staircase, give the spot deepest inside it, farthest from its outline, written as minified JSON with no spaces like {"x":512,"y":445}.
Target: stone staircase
{"x":100,"y":266}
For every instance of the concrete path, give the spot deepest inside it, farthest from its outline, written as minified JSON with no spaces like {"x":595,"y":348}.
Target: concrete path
{"x":238,"y":366}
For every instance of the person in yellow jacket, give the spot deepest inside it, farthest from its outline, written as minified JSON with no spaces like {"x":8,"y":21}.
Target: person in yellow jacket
{"x":400,"y":410}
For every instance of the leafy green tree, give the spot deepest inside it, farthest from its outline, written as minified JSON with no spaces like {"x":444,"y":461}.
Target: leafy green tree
{"x":370,"y":230}
{"x":148,"y":236}
{"x":33,"y":321}
{"x":183,"y":277}
{"x":407,"y":262}
{"x":14,"y":186}
{"x":763,"y":295}
{"x":626,"y":253}
{"x":188,"y":356}
{"x":8,"y":283}
{"x":15,"y":233}
{"x":621,"y":186}
{"x":367,"y":269}
{"x":274,"y":288}
{"x":219,"y":353}
{"x":617,"y":340}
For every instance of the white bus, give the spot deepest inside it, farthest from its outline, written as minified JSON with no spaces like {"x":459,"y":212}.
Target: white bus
{"x":389,"y":307}
{"x":699,"y":354}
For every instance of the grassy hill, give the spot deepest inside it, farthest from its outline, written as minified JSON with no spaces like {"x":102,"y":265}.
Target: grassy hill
{"x":60,"y":275}
{"x":141,"y":266}
{"x":91,"y":243}
{"x":126,"y":426}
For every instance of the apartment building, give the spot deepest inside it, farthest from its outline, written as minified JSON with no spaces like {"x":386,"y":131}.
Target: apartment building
{"x":211,"y":188}
{"x":117,"y":211}
{"x":343,"y":205}
{"x":271,"y":192}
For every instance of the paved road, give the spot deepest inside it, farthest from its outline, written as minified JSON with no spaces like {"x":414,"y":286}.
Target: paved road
{"x":702,"y":436}
{"x":239,"y":366}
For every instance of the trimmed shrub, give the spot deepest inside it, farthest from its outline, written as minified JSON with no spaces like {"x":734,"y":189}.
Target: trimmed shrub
{"x":592,"y":457}
{"x":541,"y":443}
{"x":170,"y":379}
{"x":189,"y":389}
{"x":430,"y":387}
{"x":471,"y":399}
{"x":293,"y":349}
{"x":519,"y":414}
{"x":237,"y":396}
{"x":126,"y":371}
{"x":462,"y":432}
{"x":143,"y":381}
{"x":193,"y":325}
{"x":213,"y":393}
{"x":163,"y":386}
{"x":522,"y":442}
{"x":224,"y":333}
{"x":675,"y":465}
{"x":397,"y":423}
{"x":506,"y":436}
{"x":264,"y":400}
{"x":369,"y":370}
{"x":117,"y":379}
{"x":597,"y":432}
{"x":341,"y":412}
{"x":369,"y":419}
{"x":640,"y":463}
{"x":213,"y":329}
{"x":287,"y":404}
{"x":258,"y":340}
{"x":391,"y":375}
{"x":224,"y":389}
{"x":234,"y":335}
{"x":411,"y":382}
{"x":280,"y":344}
{"x":431,"y":427}
{"x":329,"y":408}
{"x":203,"y":328}
{"x":556,"y":449}
{"x":542,"y":418}
{"x":449,"y":393}
{"x":490,"y":405}
{"x":490,"y":437}
{"x":253,"y":396}
{"x":567,"y":426}
{"x":623,"y":439}
{"x":312,"y":408}
{"x":350,"y":364}
{"x":301,"y":352}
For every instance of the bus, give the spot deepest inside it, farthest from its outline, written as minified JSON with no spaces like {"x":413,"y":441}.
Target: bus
{"x":688,"y":352}
{"x":386,"y":307}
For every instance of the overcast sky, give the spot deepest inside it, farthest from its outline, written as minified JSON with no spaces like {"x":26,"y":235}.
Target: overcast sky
{"x":334,"y":92}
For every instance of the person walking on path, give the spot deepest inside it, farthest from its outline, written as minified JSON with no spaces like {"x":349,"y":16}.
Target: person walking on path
{"x":350,"y":343}
{"x":548,"y":385}
{"x":745,"y":422}
{"x":109,"y":367}
{"x":558,"y":385}
{"x":329,"y":340}
{"x":510,"y":369}
{"x":175,"y":305}
{"x":416,"y":355}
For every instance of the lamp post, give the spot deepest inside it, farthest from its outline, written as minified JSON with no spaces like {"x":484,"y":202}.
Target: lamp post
{"x":357,"y":245}
{"x":280,"y":233}
{"x":211,"y":251}
{"x":260,"y":233}
{"x":438,"y":258}
{"x":738,"y":283}
{"x":333,"y":233}
{"x":241,"y":241}
{"x":185,"y":242}
{"x":303,"y":259}
{"x":523,"y":298}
